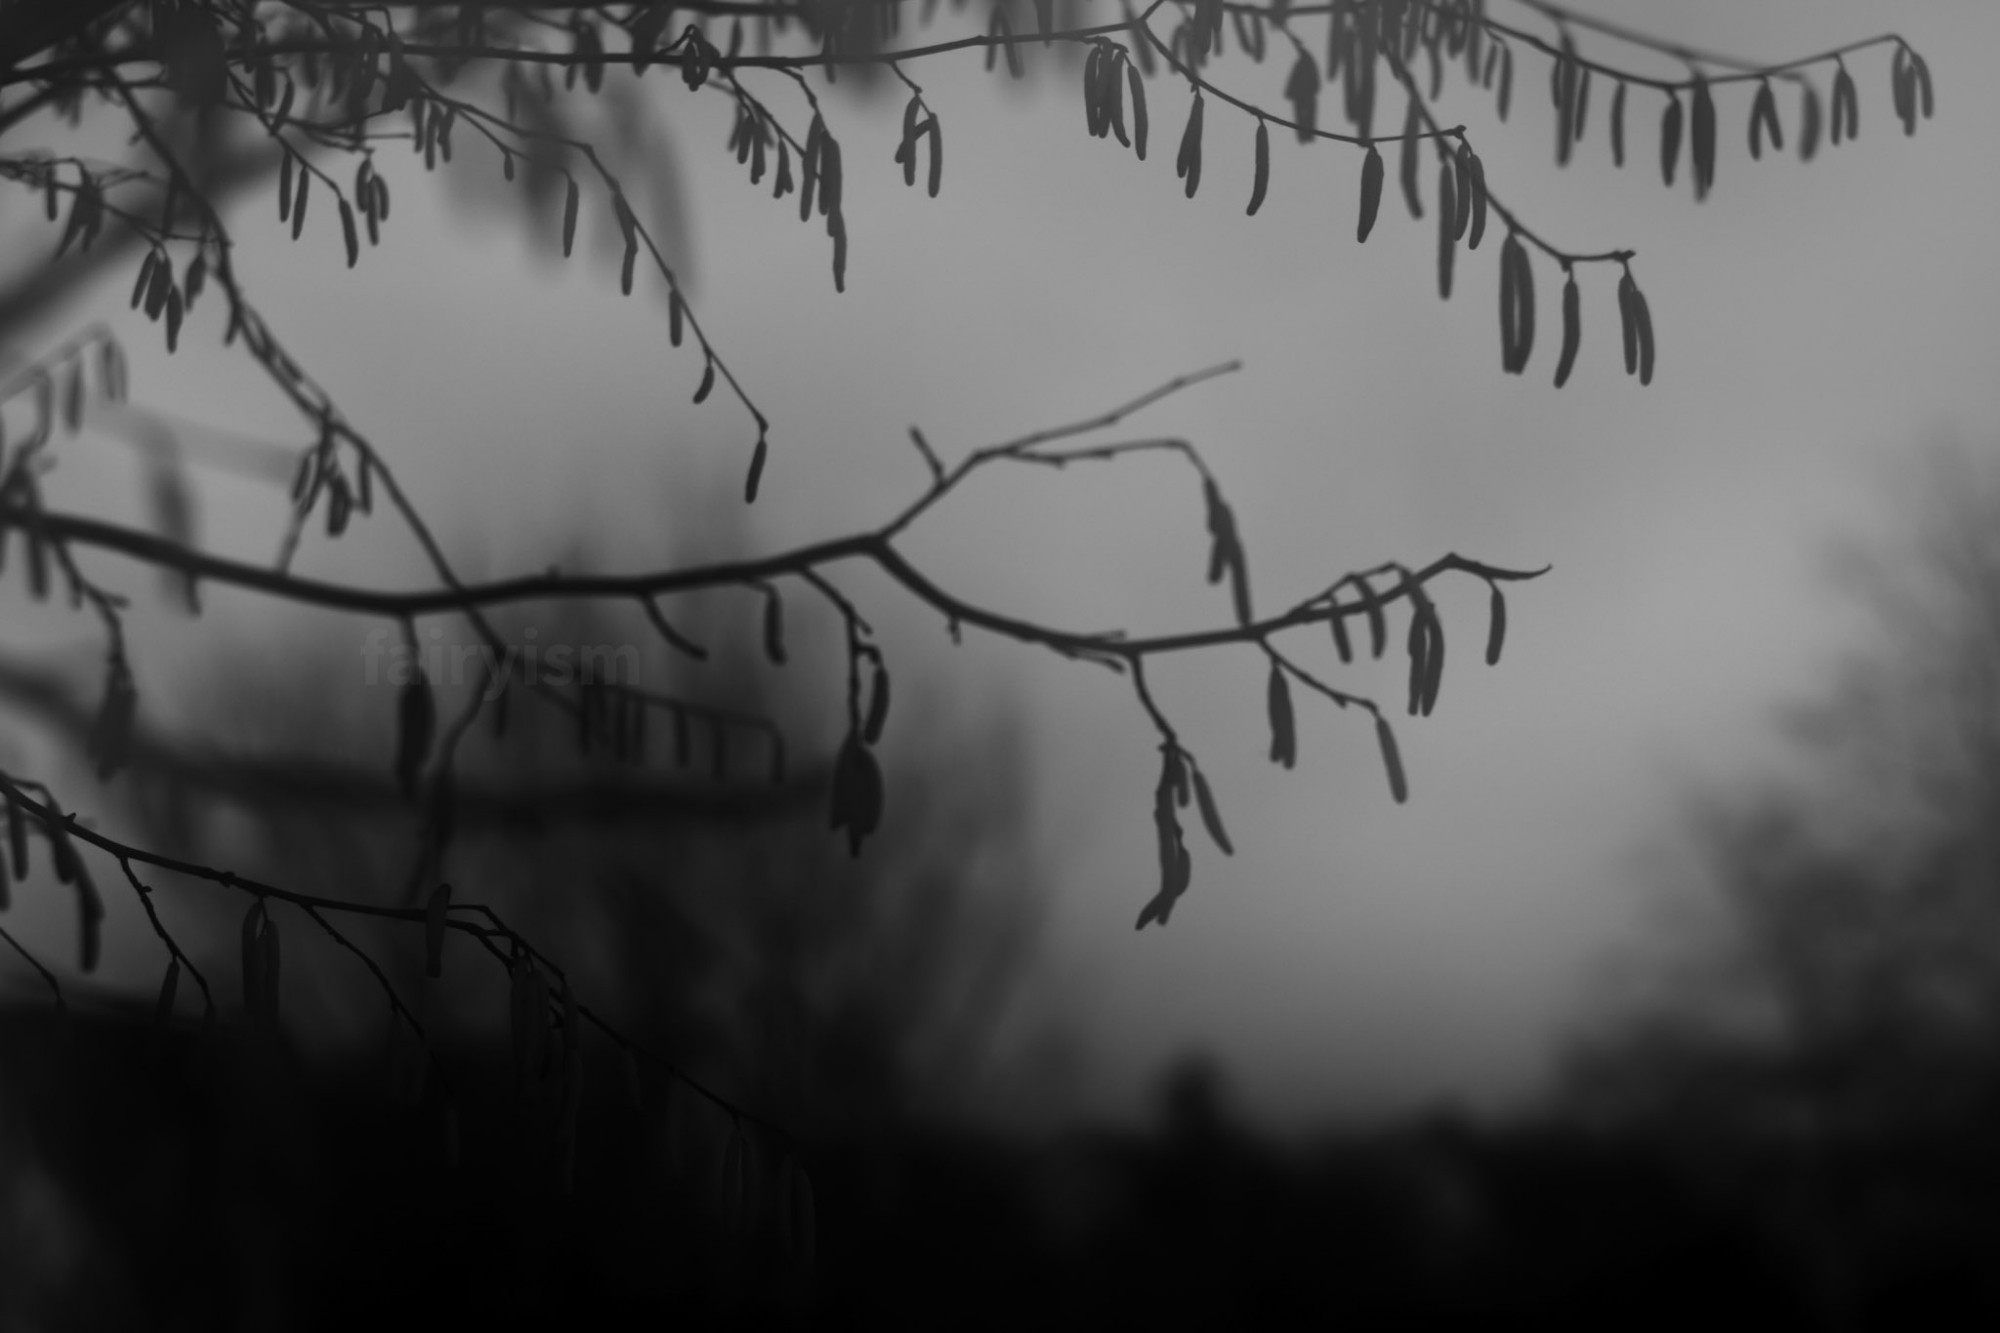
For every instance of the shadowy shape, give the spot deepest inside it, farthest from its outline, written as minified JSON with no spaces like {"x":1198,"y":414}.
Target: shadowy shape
{"x":700,"y":908}
{"x":1822,"y":1047}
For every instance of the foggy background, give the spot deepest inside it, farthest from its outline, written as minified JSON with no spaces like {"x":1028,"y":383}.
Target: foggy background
{"x":1816,"y":322}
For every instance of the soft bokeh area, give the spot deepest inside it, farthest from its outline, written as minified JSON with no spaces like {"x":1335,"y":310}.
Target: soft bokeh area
{"x":1814,"y":320}
{"x":1470,"y":957}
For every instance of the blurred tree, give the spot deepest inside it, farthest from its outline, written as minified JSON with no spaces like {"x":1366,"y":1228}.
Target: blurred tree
{"x":1817,"y":1039}
{"x":190,"y":99}
{"x":1845,"y":957}
{"x":852,"y":1001}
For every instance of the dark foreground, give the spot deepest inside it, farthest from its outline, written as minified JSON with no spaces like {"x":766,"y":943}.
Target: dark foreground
{"x":211,"y":1183}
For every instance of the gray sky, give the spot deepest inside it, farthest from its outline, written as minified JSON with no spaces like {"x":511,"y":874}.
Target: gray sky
{"x":1813,"y":320}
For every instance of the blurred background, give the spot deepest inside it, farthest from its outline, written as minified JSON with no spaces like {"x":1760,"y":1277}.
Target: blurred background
{"x":1703,"y":861}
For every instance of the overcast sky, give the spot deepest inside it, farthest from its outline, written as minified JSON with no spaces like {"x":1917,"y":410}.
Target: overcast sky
{"x":1355,"y":956}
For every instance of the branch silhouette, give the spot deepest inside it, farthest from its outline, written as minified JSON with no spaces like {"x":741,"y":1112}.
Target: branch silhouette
{"x":310,"y":83}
